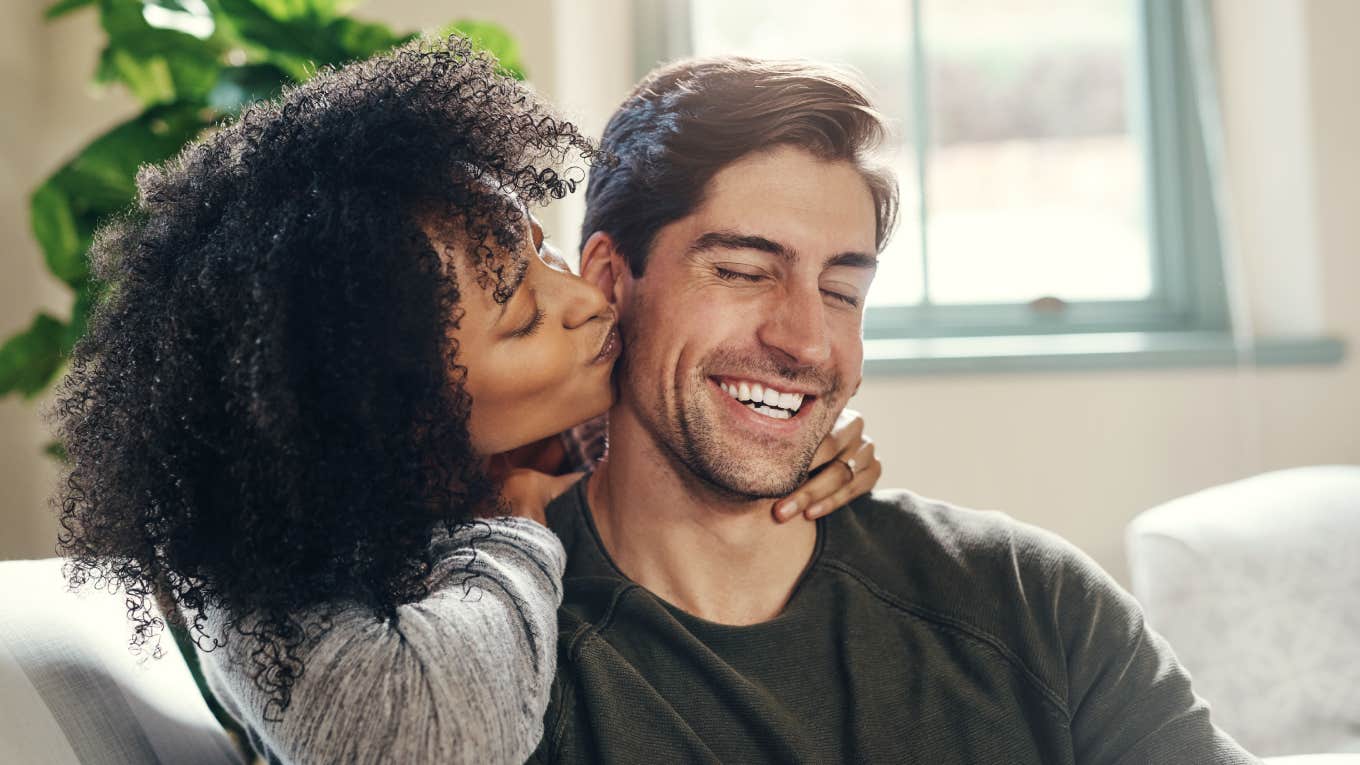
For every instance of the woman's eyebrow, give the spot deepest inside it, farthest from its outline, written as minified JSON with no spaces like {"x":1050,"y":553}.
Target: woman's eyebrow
{"x":521,"y":270}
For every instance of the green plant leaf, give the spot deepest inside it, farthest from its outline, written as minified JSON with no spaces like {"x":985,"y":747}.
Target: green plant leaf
{"x":102,"y":178}
{"x":301,"y":36}
{"x":149,"y":79}
{"x":240,"y":85}
{"x":493,"y":39}
{"x":54,"y":226}
{"x":295,"y":41}
{"x":362,"y":39}
{"x":163,"y":50}
{"x":320,"y":10}
{"x":191,"y":17}
{"x":64,"y":7}
{"x":32,"y":358}
{"x":101,"y":181}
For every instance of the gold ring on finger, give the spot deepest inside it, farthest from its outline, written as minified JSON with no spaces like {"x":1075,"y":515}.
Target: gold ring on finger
{"x":849,"y":465}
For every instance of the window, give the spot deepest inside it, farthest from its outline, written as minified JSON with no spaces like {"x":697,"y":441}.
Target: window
{"x":1049,"y":155}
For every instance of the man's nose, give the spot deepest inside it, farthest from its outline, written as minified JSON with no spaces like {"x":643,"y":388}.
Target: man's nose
{"x":796,"y":326}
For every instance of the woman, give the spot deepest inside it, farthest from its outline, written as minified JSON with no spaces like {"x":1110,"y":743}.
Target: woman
{"x":331,"y":345}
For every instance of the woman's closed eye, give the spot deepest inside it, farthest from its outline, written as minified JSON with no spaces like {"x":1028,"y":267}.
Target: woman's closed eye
{"x":532,"y":325}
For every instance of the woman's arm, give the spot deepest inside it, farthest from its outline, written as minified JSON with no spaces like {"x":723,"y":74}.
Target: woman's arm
{"x":460,"y":676}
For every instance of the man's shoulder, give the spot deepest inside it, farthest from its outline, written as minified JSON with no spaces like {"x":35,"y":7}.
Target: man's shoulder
{"x":983,"y":568}
{"x":897,"y":522}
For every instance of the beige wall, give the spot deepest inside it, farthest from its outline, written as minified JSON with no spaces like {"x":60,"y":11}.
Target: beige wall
{"x":1079,"y":453}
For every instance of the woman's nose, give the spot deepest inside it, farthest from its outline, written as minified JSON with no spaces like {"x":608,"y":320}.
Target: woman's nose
{"x":581,"y":300}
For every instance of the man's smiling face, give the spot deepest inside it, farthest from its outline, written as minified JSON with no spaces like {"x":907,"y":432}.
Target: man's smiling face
{"x":762,"y":289}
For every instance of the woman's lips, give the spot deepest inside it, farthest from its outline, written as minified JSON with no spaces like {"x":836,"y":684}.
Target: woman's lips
{"x":609,"y":349}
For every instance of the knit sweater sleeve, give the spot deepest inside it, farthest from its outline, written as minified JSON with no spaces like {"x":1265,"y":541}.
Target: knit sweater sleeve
{"x":460,"y":676}
{"x":1129,"y":699}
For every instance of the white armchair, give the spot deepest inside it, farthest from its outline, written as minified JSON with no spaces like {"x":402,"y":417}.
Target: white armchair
{"x":72,"y":692}
{"x":1256,"y":584}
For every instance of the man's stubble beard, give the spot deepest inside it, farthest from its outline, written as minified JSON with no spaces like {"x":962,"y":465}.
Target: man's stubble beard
{"x":739,"y":480}
{"x":692,"y":443}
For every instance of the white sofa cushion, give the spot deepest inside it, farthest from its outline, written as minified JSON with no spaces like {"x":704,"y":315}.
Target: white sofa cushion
{"x":1256,"y":584}
{"x":73,"y":692}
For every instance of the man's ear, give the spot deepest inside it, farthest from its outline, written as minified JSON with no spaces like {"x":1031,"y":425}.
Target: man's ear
{"x":604,"y":266}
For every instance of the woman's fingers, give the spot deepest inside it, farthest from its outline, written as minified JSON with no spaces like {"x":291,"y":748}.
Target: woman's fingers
{"x":847,"y":431}
{"x":867,"y":473}
{"x":823,"y":484}
{"x":557,"y":485}
{"x":867,"y":470}
{"x":833,"y":481}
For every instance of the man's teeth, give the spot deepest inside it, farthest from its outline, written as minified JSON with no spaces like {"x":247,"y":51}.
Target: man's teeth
{"x":772,"y":397}
{"x":766,"y":401}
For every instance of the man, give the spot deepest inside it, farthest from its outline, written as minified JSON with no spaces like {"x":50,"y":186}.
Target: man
{"x":737,"y":236}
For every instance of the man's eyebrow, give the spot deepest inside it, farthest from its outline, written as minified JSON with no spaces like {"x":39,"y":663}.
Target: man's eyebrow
{"x":730,"y":240}
{"x":853,"y":260}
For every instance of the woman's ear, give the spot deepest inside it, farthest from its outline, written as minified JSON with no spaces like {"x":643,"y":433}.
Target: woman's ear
{"x":604,"y":266}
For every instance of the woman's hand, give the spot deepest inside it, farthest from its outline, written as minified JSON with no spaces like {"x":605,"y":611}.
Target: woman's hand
{"x":845,"y":467}
{"x":528,"y":492}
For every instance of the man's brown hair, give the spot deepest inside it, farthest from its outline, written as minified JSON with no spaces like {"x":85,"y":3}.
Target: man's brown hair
{"x":688,"y":120}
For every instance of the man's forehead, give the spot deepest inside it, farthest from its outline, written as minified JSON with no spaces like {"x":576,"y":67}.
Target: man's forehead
{"x":790,"y":197}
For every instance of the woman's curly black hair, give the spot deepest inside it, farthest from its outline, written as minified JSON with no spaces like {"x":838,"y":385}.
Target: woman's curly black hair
{"x":267,"y":413}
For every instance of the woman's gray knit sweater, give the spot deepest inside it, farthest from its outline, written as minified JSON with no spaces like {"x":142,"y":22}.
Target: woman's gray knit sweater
{"x":460,"y":676}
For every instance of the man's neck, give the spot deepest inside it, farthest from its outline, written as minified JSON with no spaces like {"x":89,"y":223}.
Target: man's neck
{"x":722,"y":560}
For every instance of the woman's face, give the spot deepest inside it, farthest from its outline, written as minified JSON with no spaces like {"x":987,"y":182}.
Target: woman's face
{"x":539,"y":363}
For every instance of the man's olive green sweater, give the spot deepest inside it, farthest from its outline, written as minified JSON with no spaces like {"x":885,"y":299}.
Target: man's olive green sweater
{"x":918,"y":633}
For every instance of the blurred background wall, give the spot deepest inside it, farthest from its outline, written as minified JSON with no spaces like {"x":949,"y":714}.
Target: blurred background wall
{"x":1079,"y":453}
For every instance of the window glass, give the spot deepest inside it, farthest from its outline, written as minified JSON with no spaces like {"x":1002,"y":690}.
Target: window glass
{"x":1035,"y":172}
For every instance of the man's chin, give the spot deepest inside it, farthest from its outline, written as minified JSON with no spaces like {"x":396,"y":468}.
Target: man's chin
{"x":751,"y":480}
{"x":742,"y":464}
